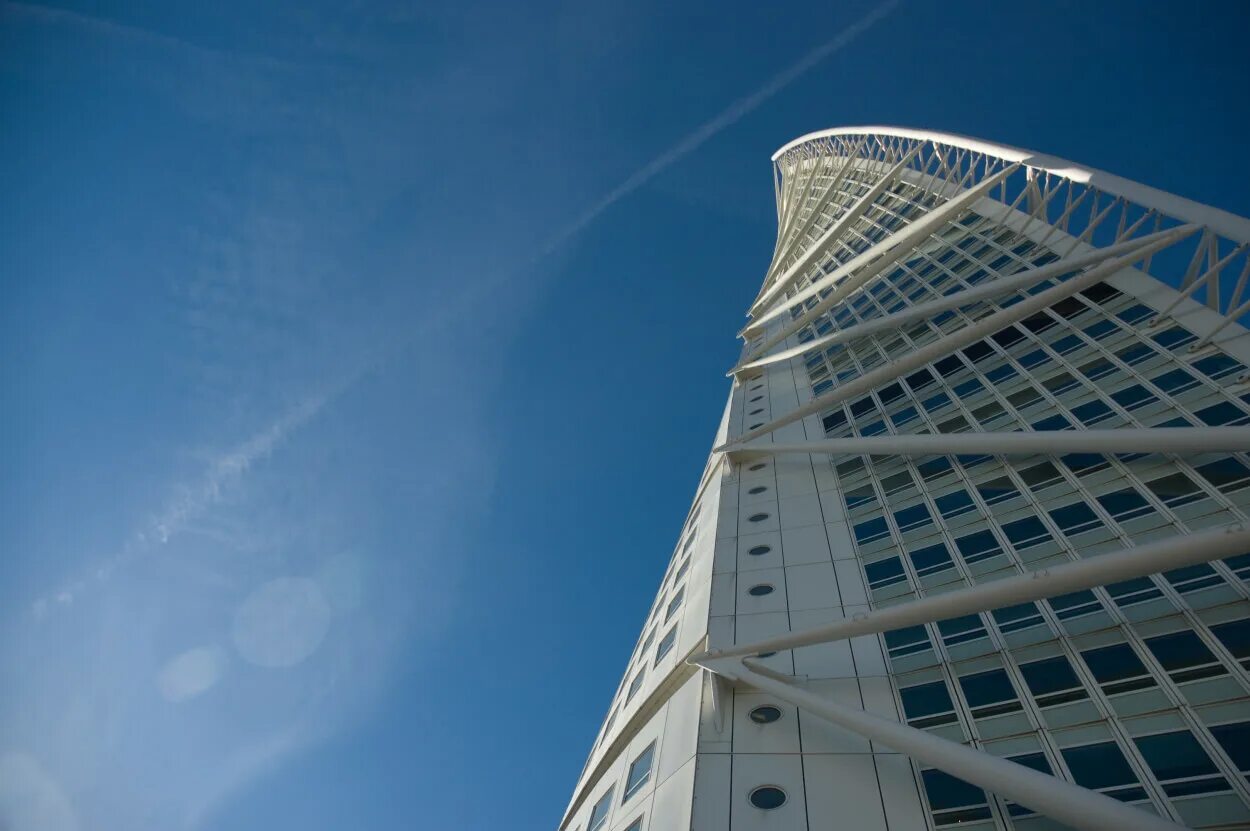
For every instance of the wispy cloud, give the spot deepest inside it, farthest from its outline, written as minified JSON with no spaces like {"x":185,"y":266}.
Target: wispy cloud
{"x":726,"y":118}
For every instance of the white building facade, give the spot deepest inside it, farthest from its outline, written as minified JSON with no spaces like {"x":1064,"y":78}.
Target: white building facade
{"x":973,"y":543}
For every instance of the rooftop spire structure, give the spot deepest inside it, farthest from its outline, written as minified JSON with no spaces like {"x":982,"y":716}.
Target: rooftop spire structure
{"x":972,"y":545}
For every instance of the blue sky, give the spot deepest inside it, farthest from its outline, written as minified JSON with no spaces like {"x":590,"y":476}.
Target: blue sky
{"x":361,"y":359}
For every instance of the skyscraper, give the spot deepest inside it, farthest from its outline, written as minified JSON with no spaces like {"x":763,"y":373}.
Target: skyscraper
{"x":971,"y":547}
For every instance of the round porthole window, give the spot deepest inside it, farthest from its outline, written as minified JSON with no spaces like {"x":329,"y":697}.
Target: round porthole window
{"x":765,"y":715}
{"x":759,"y":550}
{"x":757,"y":489}
{"x":760,"y":590}
{"x":757,"y":517}
{"x":758,"y":466}
{"x":767,"y":797}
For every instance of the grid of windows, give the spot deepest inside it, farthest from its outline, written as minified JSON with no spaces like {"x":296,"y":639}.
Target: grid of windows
{"x":924,"y":525}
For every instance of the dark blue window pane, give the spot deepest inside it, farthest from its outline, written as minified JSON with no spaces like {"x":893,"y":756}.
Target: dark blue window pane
{"x":1175,"y":755}
{"x":926,"y":699}
{"x":1099,"y":765}
{"x":1235,"y":739}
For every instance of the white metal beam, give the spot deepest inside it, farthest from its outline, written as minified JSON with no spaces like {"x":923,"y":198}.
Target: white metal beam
{"x":985,"y":291}
{"x":963,"y":337}
{"x":1070,"y":804}
{"x":1173,"y":552}
{"x":1044,"y":442}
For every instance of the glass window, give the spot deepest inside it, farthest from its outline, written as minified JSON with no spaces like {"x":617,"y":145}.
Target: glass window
{"x":1173,"y":338}
{"x":1118,"y":669}
{"x":674,"y":604}
{"x":767,"y":797}
{"x":954,"y":504}
{"x":873,"y":529}
{"x":1193,"y":578}
{"x":1075,"y":518}
{"x":1175,"y":381}
{"x":989,"y":693}
{"x":961,"y":629}
{"x":1222,"y":413}
{"x":1053,"y":681}
{"x":1083,"y":464}
{"x":1125,"y":504}
{"x":912,"y":517}
{"x":952,"y":800}
{"x":906,"y":641}
{"x":997,"y":490}
{"x":1075,"y":604}
{"x":666,"y":644}
{"x":979,"y":546}
{"x":1040,"y":476}
{"x":1175,"y":490}
{"x":1235,"y":636}
{"x":639,"y":772}
{"x":1092,"y":412}
{"x":935,"y":469}
{"x":861,"y":496}
{"x":599,"y":814}
{"x":1227,"y":475}
{"x":1218,"y":365}
{"x":1235,"y":739}
{"x":1138,"y":590}
{"x":635,"y":684}
{"x":1102,"y":767}
{"x":885,"y":573}
{"x":931,"y":559}
{"x":928,"y":705}
{"x":1134,"y":397}
{"x":1027,"y":532}
{"x":636,"y":825}
{"x":1017,"y":617}
{"x":1185,"y":656}
{"x":1180,"y":764}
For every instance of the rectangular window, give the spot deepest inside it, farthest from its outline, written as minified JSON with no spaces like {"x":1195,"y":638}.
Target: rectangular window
{"x":1185,"y":656}
{"x":1180,"y":764}
{"x":639,"y":773}
{"x":1235,"y":739}
{"x":635,"y":684}
{"x":1041,"y":476}
{"x":871,"y":530}
{"x":1134,"y":397}
{"x":1193,"y":578}
{"x":1125,"y":504}
{"x":1175,"y":381}
{"x":599,"y":814}
{"x":931,"y":559}
{"x":979,"y":546}
{"x":1137,"y":590}
{"x":906,"y":641}
{"x":1026,"y":533}
{"x":997,"y":490}
{"x":1053,"y":681}
{"x":666,"y":644}
{"x":674,"y":604}
{"x":989,"y":693}
{"x":1017,"y":617}
{"x":1118,"y":669}
{"x":928,"y":705}
{"x":912,"y":517}
{"x":1102,"y":767}
{"x":1235,"y":636}
{"x":953,"y":801}
{"x":885,"y":573}
{"x":1074,"y":604}
{"x":953,"y":504}
{"x":1074,"y":518}
{"x":1227,"y":475}
{"x":961,"y":629}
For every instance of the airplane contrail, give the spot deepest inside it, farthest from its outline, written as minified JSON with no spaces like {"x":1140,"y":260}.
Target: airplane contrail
{"x":731,"y":114}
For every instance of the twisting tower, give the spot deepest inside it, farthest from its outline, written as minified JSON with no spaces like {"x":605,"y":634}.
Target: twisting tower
{"x":972,"y":545}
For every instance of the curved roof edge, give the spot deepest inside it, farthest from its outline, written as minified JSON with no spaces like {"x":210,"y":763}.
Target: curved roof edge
{"x":1228,"y":224}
